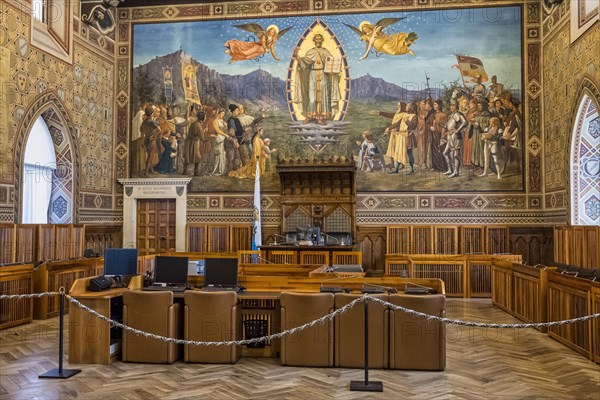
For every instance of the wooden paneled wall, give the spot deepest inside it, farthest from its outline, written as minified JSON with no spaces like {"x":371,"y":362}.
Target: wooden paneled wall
{"x":533,"y":244}
{"x":218,"y":238}
{"x":447,"y":239}
{"x":101,"y":237}
{"x":34,"y":242}
{"x":577,"y":245}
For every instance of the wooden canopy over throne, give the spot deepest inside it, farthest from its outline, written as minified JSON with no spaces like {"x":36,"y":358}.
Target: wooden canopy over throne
{"x":319,"y":193}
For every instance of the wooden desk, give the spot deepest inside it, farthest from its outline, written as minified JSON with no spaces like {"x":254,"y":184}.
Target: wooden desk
{"x":268,"y":249}
{"x":277,"y":269}
{"x":91,"y":340}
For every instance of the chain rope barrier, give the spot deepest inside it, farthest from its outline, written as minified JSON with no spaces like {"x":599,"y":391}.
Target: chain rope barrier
{"x":27,"y":296}
{"x":300,"y":328}
{"x":483,"y":324}
{"x":224,"y":343}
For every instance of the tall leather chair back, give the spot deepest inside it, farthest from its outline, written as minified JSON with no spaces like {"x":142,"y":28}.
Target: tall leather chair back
{"x":152,"y":312}
{"x":350,"y":333}
{"x":313,"y":346}
{"x":416,"y":343}
{"x":212,"y":317}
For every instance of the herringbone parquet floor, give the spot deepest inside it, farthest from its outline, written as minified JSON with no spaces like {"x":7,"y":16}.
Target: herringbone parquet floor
{"x":481,"y":364}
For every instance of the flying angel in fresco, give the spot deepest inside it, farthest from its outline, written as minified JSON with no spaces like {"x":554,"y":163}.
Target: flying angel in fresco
{"x":395,"y":44}
{"x":241,"y":50}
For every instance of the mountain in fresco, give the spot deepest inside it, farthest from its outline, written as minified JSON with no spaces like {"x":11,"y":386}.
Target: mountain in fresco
{"x":259,"y":90}
{"x":369,"y":88}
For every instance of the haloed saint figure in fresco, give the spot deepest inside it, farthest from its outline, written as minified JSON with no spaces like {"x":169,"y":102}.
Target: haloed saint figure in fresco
{"x":318,"y":79}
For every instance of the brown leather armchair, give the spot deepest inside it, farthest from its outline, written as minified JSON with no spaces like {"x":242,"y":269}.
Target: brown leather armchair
{"x":212,"y":317}
{"x":350,"y":333}
{"x":152,"y":312}
{"x":416,"y":343}
{"x":311,"y":347}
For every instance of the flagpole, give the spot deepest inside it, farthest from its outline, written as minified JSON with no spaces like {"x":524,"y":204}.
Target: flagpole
{"x":256,"y":226}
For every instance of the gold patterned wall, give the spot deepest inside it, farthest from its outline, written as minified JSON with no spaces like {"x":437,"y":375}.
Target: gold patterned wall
{"x":564,"y":67}
{"x":83,"y":92}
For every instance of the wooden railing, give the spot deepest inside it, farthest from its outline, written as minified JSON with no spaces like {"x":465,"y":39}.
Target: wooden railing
{"x":463,"y":275}
{"x":52,"y":275}
{"x":16,"y":279}
{"x":521,"y":290}
{"x":572,"y":297}
{"x":577,"y":245}
{"x":541,"y":294}
{"x":445,"y":239}
{"x":596,"y":325}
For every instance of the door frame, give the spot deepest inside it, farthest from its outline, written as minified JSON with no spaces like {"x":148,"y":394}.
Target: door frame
{"x":154,"y":188}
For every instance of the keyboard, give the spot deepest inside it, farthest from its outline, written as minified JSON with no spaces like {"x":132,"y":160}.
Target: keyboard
{"x":417,"y":290}
{"x":166,"y":288}
{"x":332,"y":289}
{"x":220,"y":289}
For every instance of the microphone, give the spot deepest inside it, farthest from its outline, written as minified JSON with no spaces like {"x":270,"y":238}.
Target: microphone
{"x":329,"y":236}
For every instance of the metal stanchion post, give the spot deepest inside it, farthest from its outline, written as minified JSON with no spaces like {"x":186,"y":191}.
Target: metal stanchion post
{"x":366,"y":386}
{"x":60,"y":373}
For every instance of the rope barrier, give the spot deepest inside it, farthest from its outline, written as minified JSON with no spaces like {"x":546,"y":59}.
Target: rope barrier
{"x":317,"y":321}
{"x":27,"y":296}
{"x":225,"y":343}
{"x":484,"y":324}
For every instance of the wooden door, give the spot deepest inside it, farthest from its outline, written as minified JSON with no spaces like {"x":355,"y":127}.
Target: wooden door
{"x":155,"y":226}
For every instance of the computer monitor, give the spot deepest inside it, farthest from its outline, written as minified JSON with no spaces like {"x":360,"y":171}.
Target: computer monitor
{"x":221,"y":272}
{"x":171,"y":270}
{"x":120,"y":262}
{"x":314,"y":235}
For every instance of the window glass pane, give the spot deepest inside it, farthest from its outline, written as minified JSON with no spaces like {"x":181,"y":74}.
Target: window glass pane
{"x":38,"y":10}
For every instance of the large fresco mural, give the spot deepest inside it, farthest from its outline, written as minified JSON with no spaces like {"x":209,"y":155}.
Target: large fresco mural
{"x":422,"y":101}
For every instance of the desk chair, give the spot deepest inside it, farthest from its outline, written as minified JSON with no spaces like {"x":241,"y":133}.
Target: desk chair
{"x":416,"y":343}
{"x":312,"y":347}
{"x":152,"y":312}
{"x":212,"y":317}
{"x":350,"y":333}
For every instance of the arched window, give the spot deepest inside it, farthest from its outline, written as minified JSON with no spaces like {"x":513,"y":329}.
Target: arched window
{"x":40,"y":163}
{"x":585,"y":165}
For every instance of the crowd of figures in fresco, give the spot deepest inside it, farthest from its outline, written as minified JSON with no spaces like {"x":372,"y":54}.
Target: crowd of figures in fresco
{"x":204,"y":143}
{"x":481,"y":127}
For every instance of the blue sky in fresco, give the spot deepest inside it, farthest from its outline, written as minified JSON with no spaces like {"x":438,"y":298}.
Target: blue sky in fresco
{"x":491,"y":34}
